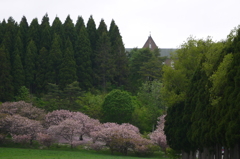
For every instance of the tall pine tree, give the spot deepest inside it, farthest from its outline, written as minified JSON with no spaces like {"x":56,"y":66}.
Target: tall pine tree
{"x":67,"y":72}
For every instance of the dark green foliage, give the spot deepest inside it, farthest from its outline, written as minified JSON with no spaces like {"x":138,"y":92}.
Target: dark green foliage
{"x":67,"y":72}
{"x":54,"y":60}
{"x":6,"y":85}
{"x":30,"y":66}
{"x":45,"y":33}
{"x":83,"y":61}
{"x":63,"y":99}
{"x":34,"y":33}
{"x":17,"y":73}
{"x":69,"y":31}
{"x":57,"y":28}
{"x":104,"y":61}
{"x":23,"y":33}
{"x":41,"y":71}
{"x":118,"y":107}
{"x":92,"y":34}
{"x":121,"y":72}
{"x":138,"y":58}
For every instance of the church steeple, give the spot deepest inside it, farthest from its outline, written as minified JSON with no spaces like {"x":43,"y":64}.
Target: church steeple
{"x":150,"y":43}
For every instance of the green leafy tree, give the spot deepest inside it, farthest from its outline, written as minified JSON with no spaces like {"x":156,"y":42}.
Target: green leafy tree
{"x":118,"y":107}
{"x":23,"y":33}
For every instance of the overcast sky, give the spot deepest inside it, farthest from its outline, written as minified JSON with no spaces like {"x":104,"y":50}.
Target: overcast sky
{"x":170,"y":22}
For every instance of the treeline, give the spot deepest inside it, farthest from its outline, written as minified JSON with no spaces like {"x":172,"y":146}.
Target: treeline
{"x":37,"y":54}
{"x":202,"y":92}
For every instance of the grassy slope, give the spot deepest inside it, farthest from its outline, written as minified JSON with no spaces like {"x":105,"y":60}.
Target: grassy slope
{"x":16,"y":153}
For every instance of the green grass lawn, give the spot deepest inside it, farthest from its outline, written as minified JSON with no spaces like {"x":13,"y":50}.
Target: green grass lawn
{"x":17,"y":153}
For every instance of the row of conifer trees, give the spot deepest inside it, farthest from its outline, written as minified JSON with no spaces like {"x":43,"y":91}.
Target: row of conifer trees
{"x":35,"y":54}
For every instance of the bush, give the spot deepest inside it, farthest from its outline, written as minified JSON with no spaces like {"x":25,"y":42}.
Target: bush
{"x":172,"y":154}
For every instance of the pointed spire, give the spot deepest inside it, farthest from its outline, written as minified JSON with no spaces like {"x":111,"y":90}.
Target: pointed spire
{"x":150,"y":43}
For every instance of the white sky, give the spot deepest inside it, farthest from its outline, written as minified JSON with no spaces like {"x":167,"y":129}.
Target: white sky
{"x":170,"y":22}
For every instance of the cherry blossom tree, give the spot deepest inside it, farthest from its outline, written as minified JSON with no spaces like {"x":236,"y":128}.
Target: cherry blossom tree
{"x":120,"y":138}
{"x":86,"y":124}
{"x":158,"y":136}
{"x":24,"y":109}
{"x":19,"y":126}
{"x":67,"y":129}
{"x":56,"y":117}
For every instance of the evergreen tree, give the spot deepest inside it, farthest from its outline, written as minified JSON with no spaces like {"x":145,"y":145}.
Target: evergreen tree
{"x":6,"y":88}
{"x":57,"y":28}
{"x":104,"y":61}
{"x":92,"y":33}
{"x":119,"y":56}
{"x":9,"y":37}
{"x":83,"y":61}
{"x":23,"y":33}
{"x":2,"y":30}
{"x":17,"y":73}
{"x":34,"y":33}
{"x":79,"y":25}
{"x":55,"y":60}
{"x":45,"y":33}
{"x":67,"y":72}
{"x":30,"y":66}
{"x":69,"y":31}
{"x":41,"y":71}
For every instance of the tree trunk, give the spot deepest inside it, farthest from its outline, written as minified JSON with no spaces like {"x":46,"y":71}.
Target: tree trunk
{"x":185,"y":155}
{"x":218,"y":152}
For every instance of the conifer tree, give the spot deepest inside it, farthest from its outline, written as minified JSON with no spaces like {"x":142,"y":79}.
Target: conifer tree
{"x":83,"y":61}
{"x":23,"y":33}
{"x":55,"y":60}
{"x":79,"y":24}
{"x":92,"y":33}
{"x":104,"y":61}
{"x":34,"y":33}
{"x":2,"y":30}
{"x":45,"y":33}
{"x":119,"y":56}
{"x":30,"y":66}
{"x":57,"y":28}
{"x":69,"y":31}
{"x":41,"y":71}
{"x":6,"y":87}
{"x":17,"y":73}
{"x":67,"y":72}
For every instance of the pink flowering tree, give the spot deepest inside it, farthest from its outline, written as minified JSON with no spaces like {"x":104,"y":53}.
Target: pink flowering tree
{"x":158,"y":136}
{"x":56,"y":117}
{"x":20,"y":127}
{"x":86,"y":124}
{"x":120,"y":138}
{"x":67,"y":129}
{"x":24,"y":109}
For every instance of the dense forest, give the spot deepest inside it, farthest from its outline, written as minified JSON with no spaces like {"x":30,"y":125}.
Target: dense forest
{"x":85,"y":68}
{"x":73,"y":66}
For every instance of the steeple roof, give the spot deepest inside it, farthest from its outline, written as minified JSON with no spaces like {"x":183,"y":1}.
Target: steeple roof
{"x":150,"y":43}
